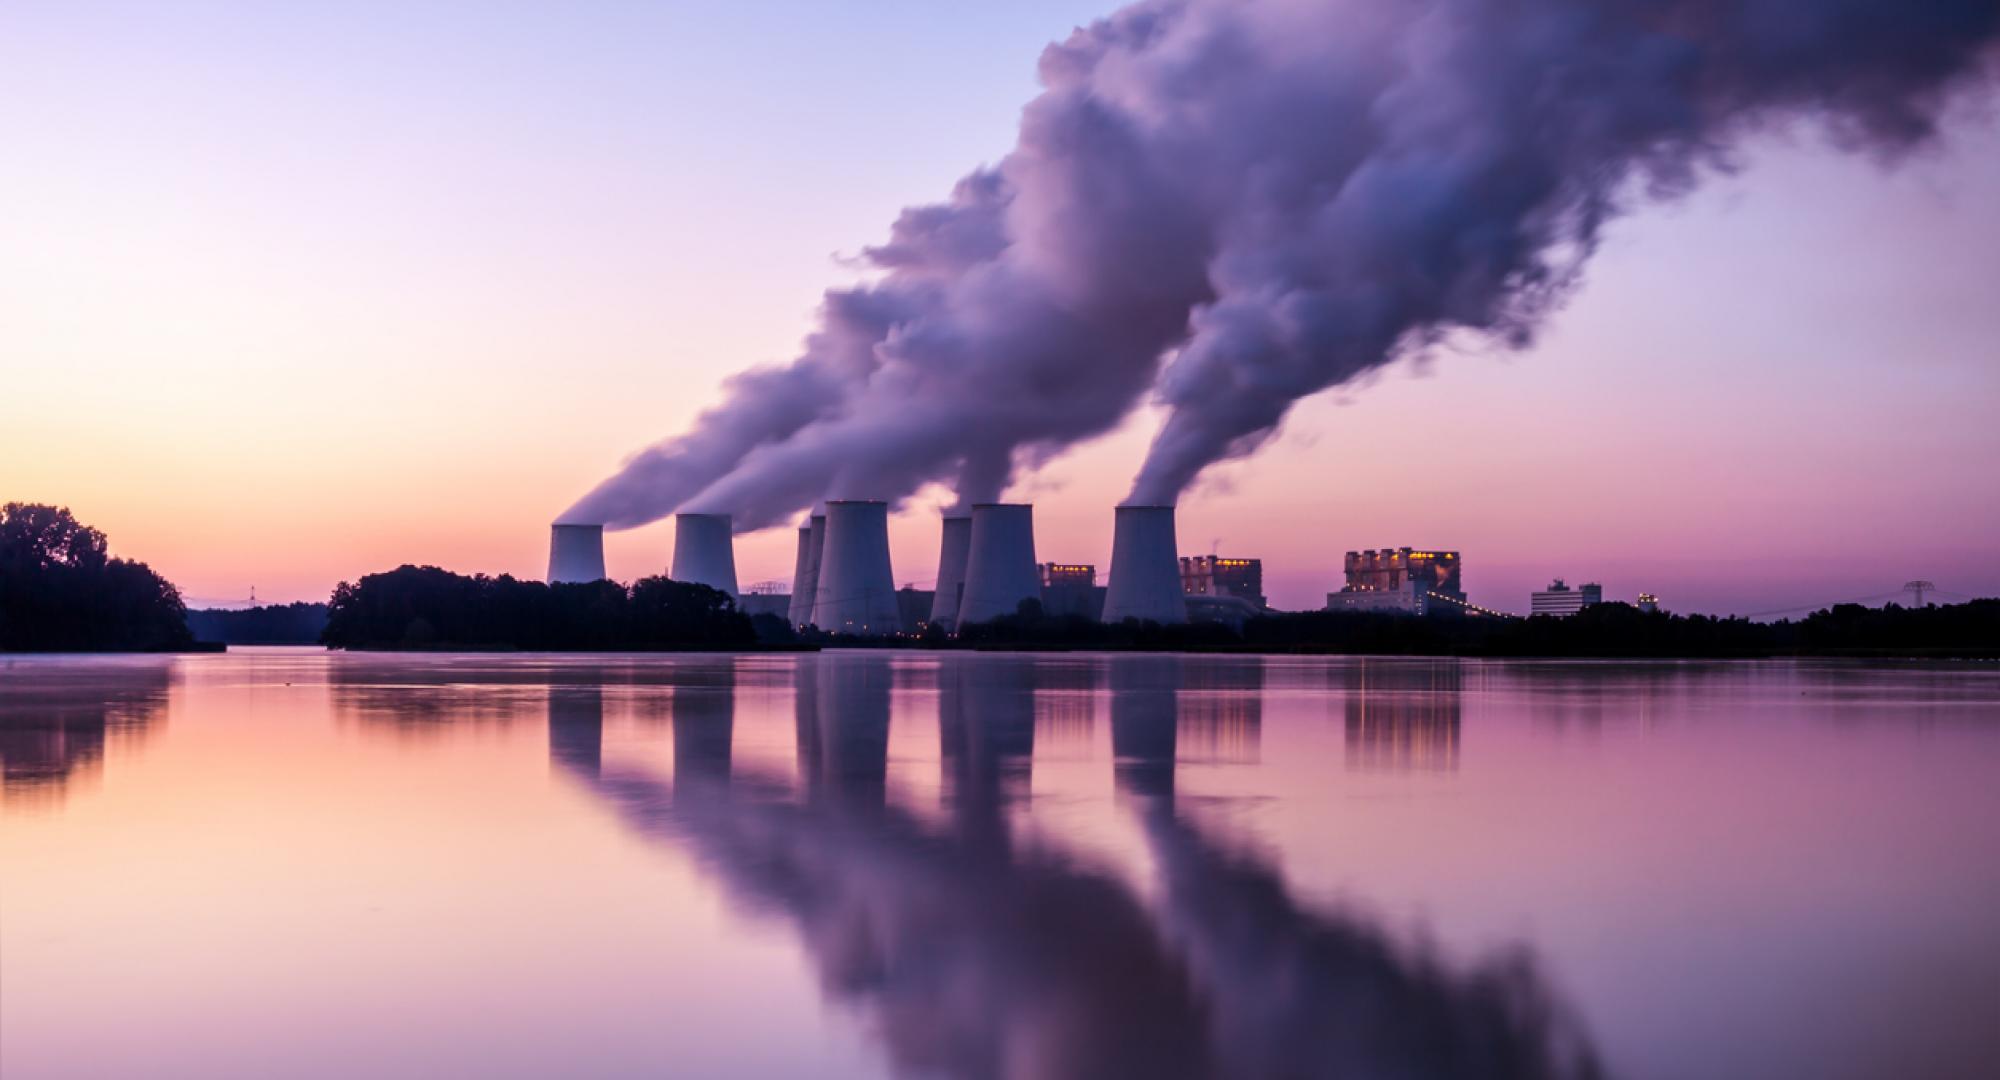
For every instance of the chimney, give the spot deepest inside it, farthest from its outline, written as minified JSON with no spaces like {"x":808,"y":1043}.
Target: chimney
{"x":1145,"y":568}
{"x":1000,"y":567}
{"x":704,"y":551}
{"x":952,"y":553}
{"x":576,"y":554}
{"x":856,"y":591}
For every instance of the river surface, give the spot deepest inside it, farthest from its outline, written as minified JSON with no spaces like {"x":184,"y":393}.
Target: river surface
{"x":287,"y":862}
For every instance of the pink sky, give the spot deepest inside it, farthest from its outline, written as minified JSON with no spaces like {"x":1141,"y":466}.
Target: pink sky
{"x":290,"y":299}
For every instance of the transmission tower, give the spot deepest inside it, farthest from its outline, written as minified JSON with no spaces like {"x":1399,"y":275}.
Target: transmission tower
{"x":1916,"y":589}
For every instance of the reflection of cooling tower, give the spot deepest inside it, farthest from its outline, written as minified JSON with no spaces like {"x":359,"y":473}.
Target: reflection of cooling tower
{"x":951,"y":570}
{"x":805,"y":590}
{"x":1000,"y":569}
{"x":576,"y":553}
{"x":704,"y":552}
{"x":856,"y":589}
{"x":1145,"y":568}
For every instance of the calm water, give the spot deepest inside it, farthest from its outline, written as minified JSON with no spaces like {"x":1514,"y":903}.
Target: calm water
{"x":290,"y":863}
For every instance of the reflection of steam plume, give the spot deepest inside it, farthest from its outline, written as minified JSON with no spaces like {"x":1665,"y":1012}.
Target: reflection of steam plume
{"x":56,"y":719}
{"x":1281,"y":197}
{"x":1402,"y":715}
{"x":978,"y":957}
{"x":1301,"y":994}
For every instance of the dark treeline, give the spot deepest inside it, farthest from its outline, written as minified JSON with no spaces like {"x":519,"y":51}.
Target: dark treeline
{"x":1030,"y":628}
{"x":1971,"y":628}
{"x":271,"y":624}
{"x":60,"y":590}
{"x":423,"y":607}
{"x":1609,"y":630}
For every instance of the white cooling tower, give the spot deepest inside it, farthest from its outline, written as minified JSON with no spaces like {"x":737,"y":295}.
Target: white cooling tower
{"x":952,"y":552}
{"x":704,"y":551}
{"x":805,"y":600}
{"x":1000,"y":569}
{"x":1145,"y":568}
{"x":576,"y":553}
{"x":801,"y":579}
{"x":857,"y":592}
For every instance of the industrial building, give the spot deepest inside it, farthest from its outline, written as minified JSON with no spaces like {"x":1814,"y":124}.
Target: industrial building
{"x":1404,"y":599}
{"x":765,"y":599}
{"x":1404,"y":580}
{"x":1071,"y":589}
{"x":1561,"y":600}
{"x":913,"y":605}
{"x":1213,"y":575}
{"x":1386,"y":569}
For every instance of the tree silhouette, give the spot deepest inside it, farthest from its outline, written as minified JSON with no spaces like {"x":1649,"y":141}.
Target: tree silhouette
{"x":61,"y":591}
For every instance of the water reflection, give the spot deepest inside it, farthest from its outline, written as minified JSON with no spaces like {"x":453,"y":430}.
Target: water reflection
{"x":56,"y":718}
{"x":980,"y":956}
{"x":1402,"y":716}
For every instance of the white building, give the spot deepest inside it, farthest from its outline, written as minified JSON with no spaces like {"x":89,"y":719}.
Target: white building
{"x":1561,"y":600}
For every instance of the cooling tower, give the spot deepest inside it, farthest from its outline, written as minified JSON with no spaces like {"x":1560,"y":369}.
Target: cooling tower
{"x":856,"y":593}
{"x":704,"y":552}
{"x":1145,"y":568}
{"x":952,"y":552}
{"x":1000,"y":568}
{"x":806,"y":597}
{"x":576,"y":553}
{"x":799,"y":614}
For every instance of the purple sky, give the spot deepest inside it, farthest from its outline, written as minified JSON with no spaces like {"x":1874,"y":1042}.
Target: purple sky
{"x":294,"y":295}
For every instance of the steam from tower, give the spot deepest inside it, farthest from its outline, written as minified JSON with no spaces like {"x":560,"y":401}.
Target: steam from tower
{"x":1238,"y":203}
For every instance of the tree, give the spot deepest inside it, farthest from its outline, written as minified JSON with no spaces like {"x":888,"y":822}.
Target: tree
{"x":60,"y":589}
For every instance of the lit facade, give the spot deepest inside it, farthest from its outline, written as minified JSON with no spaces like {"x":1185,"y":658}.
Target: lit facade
{"x":1387,"y":569}
{"x":1214,"y":575}
{"x":1071,"y":589}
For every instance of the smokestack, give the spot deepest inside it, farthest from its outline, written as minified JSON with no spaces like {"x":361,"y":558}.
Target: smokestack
{"x":856,"y":591}
{"x":952,"y":553}
{"x":704,"y":551}
{"x":1000,"y":568}
{"x":1145,"y":568}
{"x":576,"y":554}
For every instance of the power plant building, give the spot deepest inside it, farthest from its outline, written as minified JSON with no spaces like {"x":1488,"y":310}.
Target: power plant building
{"x":1214,"y":575}
{"x":1071,"y":589}
{"x":1562,"y":601}
{"x":1404,"y":580}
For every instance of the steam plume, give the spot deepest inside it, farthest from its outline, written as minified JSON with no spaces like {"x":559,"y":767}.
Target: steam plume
{"x":1242,"y":202}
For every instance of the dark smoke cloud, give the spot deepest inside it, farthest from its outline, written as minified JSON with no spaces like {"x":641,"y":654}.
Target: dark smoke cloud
{"x":1270,"y":198}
